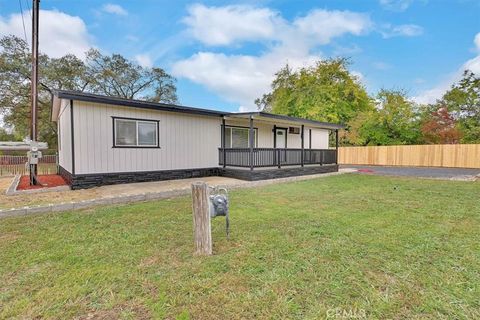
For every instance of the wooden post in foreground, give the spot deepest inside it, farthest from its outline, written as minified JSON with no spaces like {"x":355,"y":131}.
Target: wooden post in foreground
{"x":201,"y":219}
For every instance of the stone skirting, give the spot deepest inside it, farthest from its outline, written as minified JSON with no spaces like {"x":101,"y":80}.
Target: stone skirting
{"x":67,"y":176}
{"x":265,"y":174}
{"x":83,"y":181}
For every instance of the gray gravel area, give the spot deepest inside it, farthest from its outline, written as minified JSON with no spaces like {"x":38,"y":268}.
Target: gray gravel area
{"x":420,"y":172}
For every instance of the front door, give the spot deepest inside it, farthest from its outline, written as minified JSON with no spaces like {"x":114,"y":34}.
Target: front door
{"x":281,"y":143}
{"x":281,"y":138}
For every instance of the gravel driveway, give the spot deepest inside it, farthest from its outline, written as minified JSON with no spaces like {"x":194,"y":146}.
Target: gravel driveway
{"x":420,"y":172}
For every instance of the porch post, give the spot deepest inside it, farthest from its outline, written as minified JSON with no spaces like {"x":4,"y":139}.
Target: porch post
{"x":224,"y":153}
{"x":336,"y":146}
{"x":251,"y":140}
{"x":303,"y":145}
{"x":274,"y":144}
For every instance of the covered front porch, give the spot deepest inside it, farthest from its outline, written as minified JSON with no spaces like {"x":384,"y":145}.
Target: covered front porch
{"x":271,"y":146}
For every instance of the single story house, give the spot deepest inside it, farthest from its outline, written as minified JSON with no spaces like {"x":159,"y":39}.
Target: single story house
{"x":107,"y":140}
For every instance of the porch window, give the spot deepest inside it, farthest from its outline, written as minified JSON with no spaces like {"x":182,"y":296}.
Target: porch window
{"x":135,"y":133}
{"x":239,"y":137}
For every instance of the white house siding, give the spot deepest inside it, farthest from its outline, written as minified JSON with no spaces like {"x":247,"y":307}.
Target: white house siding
{"x":187,"y":141}
{"x":65,"y":138}
{"x":319,"y":139}
{"x":265,"y":134}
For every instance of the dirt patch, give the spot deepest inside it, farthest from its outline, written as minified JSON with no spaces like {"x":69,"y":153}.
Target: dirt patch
{"x":22,"y":200}
{"x":128,"y":310}
{"x":46,"y":181}
{"x":9,"y":236}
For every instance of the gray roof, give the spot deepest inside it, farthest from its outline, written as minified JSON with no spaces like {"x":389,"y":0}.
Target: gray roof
{"x":326,"y":125}
{"x":89,"y":97}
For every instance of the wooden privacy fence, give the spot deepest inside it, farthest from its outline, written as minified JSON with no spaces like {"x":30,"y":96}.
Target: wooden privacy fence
{"x":441,"y":155}
{"x":12,"y":165}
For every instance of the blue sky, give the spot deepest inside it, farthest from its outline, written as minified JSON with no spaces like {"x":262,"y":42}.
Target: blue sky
{"x":224,"y":53}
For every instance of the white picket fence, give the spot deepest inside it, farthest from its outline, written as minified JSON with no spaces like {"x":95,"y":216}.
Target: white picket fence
{"x":12,"y":165}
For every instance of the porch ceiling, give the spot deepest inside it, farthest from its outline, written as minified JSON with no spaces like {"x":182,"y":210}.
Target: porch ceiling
{"x":276,"y":119}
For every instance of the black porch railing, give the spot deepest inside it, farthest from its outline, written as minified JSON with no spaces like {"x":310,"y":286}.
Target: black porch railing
{"x":274,"y":157}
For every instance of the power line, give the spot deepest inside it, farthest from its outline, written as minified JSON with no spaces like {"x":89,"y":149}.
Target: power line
{"x":23,"y":21}
{"x":29,"y":6}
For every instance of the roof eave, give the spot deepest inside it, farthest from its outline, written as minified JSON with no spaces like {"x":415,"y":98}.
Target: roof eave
{"x":72,"y":95}
{"x":319,"y":124}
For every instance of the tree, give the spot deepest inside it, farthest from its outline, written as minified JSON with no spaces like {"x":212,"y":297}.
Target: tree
{"x":116,"y":76}
{"x":15,"y":87}
{"x":109,"y":75}
{"x":394,"y":121}
{"x":463,"y":101}
{"x":324,"y":92}
{"x":6,"y":136}
{"x":440,"y":128}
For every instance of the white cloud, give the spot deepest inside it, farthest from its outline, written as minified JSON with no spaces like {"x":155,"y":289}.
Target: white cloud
{"x":324,"y":25}
{"x":473,"y":65}
{"x":476,"y":41}
{"x":396,"y":5}
{"x":114,"y":9}
{"x":242,"y":78}
{"x":360,"y":77}
{"x":431,"y":95}
{"x":404,"y":30}
{"x":224,"y":25}
{"x":144,"y":60}
{"x":60,"y":33}
{"x":238,"y":78}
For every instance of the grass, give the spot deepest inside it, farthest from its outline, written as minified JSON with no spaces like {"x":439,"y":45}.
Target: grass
{"x":342,"y":245}
{"x":21,"y":200}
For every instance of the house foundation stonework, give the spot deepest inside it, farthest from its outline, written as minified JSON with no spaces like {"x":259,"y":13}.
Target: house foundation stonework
{"x":96,"y":180}
{"x":107,"y":140}
{"x":84,"y":181}
{"x":265,"y":174}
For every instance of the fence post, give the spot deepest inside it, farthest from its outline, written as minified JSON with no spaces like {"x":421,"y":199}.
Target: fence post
{"x":201,"y":219}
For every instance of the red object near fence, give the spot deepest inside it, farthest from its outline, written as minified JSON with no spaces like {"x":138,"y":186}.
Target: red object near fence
{"x":48,"y":181}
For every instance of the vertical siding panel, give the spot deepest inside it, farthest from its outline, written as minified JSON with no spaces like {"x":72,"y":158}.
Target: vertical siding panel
{"x":65,"y":152}
{"x":78,"y":138}
{"x":92,"y":117}
{"x":106,"y":132}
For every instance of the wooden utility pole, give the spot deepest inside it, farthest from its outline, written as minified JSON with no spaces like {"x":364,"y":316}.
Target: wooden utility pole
{"x":34,"y":83}
{"x":201,"y":219}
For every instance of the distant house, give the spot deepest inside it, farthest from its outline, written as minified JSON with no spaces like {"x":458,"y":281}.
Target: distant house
{"x":106,"y":140}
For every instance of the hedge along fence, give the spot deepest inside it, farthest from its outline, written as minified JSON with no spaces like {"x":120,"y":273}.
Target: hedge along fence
{"x":12,"y":165}
{"x":441,"y":155}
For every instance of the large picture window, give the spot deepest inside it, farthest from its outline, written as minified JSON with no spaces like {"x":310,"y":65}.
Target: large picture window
{"x":135,"y":133}
{"x":239,"y":137}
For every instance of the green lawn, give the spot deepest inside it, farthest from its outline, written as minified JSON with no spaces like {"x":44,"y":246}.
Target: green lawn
{"x":351,"y":244}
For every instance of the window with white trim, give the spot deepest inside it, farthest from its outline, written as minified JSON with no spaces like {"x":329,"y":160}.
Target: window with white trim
{"x":239,"y":137}
{"x":135,"y":133}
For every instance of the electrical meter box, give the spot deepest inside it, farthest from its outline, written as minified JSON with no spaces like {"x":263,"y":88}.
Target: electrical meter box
{"x":34,"y":155}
